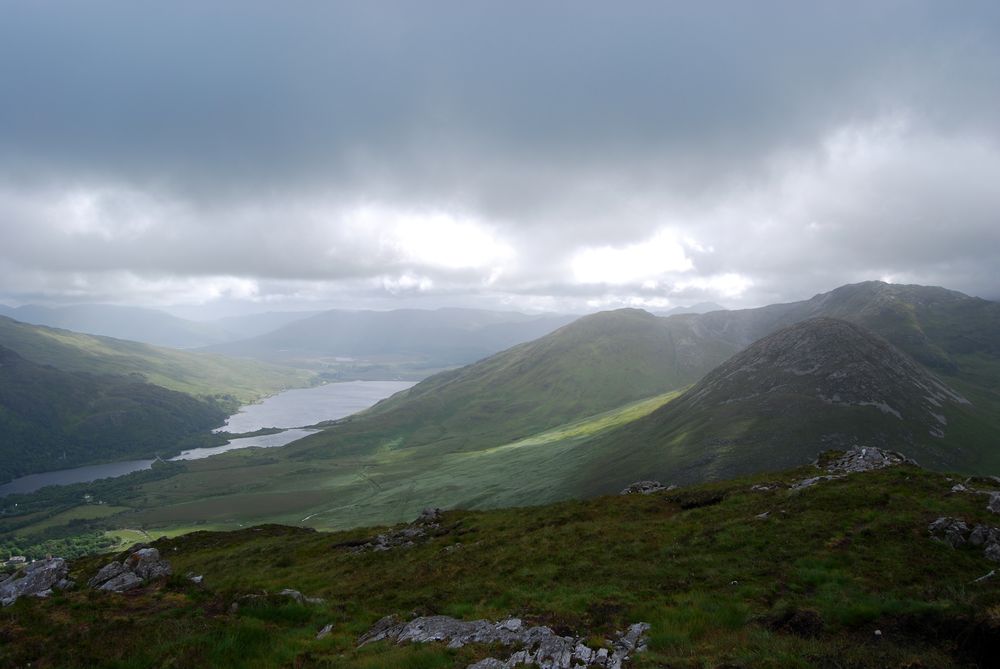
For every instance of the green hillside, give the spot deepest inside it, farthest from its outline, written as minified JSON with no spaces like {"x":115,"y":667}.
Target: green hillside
{"x":595,"y":364}
{"x":233,"y":382}
{"x":53,"y":419}
{"x":748,"y":573}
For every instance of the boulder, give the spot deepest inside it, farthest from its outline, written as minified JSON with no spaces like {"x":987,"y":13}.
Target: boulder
{"x":992,"y":552}
{"x":147,"y":564}
{"x":952,"y":531}
{"x":994,"y":503}
{"x":142,"y":565}
{"x":36,"y":579}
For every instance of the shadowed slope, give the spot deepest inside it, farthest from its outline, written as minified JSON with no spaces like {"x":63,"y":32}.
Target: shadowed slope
{"x":820,"y":383}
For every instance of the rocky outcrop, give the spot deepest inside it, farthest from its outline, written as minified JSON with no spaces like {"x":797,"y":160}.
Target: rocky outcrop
{"x":956,"y":532}
{"x":857,"y":459}
{"x":864,"y":459}
{"x":142,"y":565}
{"x":37,"y":579}
{"x":537,"y":646}
{"x":645,"y":488}
{"x":426,"y":526}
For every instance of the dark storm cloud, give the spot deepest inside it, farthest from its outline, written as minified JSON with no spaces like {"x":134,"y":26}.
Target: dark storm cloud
{"x":782,"y":146}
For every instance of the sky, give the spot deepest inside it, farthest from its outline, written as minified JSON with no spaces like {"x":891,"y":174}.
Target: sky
{"x":562,"y":156}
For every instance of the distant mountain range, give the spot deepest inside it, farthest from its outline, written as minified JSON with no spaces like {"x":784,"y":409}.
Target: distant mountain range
{"x":600,"y":402}
{"x":408,"y":342}
{"x":150,"y":326}
{"x":618,"y":396}
{"x":700,"y":308}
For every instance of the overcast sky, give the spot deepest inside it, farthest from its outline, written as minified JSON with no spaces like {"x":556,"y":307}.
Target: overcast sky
{"x":532,"y":155}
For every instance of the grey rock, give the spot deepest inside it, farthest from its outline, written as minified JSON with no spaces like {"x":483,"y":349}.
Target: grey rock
{"x":644,"y":488}
{"x":123,"y":582}
{"x":426,"y":526}
{"x":325,"y":632}
{"x":489,"y":663}
{"x":429,"y":516}
{"x":147,"y":564}
{"x":952,"y":531}
{"x":299,"y":597}
{"x":142,"y":565}
{"x":810,"y":482}
{"x":979,"y":535}
{"x":865,"y":459}
{"x":959,"y":488}
{"x":106,"y":573}
{"x":36,"y":579}
{"x":994,"y":503}
{"x":992,"y":552}
{"x":385,"y":628}
{"x":539,"y":646}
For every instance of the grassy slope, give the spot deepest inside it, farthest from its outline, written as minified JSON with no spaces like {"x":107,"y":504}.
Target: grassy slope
{"x":390,"y":485}
{"x":714,"y":581}
{"x":595,"y":364}
{"x":200,"y":375}
{"x":49,"y":417}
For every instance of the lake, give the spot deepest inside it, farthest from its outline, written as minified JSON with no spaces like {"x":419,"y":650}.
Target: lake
{"x":308,"y":406}
{"x":290,"y":409}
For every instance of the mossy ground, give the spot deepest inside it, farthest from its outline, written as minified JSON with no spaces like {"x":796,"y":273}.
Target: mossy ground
{"x":805,"y":587}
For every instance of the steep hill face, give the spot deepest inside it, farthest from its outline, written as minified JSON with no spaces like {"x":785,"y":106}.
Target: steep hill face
{"x":820,"y":383}
{"x":832,"y":361}
{"x":52,"y":419}
{"x":597,"y":363}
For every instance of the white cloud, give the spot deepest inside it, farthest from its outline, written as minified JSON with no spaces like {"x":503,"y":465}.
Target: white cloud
{"x":646,"y":261}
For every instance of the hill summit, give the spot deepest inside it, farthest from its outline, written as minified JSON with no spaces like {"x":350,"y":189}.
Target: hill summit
{"x":821,"y":383}
{"x":833,"y":361}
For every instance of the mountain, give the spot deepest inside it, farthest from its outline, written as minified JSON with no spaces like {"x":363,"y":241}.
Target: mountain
{"x":943,"y":329}
{"x":595,"y":364}
{"x":232,"y":382}
{"x":821,"y":383}
{"x":146,"y":325}
{"x":700,"y":308}
{"x":412,"y":340}
{"x":253,"y":325}
{"x":150,"y":326}
{"x":598,"y":403}
{"x":54,"y":419}
{"x":752,"y":572}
